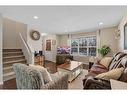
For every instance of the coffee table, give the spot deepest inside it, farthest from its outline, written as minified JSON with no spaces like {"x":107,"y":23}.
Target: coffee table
{"x":73,"y":69}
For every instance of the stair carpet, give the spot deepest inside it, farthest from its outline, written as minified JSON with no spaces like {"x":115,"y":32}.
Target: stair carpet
{"x":11,"y":56}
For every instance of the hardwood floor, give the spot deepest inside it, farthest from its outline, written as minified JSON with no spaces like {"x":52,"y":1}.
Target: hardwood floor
{"x":11,"y":84}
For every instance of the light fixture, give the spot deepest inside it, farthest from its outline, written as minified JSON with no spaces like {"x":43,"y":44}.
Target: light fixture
{"x":100,"y":23}
{"x":35,"y":17}
{"x":43,"y":34}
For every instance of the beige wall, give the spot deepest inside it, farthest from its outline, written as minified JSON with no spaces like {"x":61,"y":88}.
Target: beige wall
{"x":107,"y":37}
{"x":1,"y":38}
{"x":63,"y":40}
{"x":121,"y":39}
{"x":11,"y":31}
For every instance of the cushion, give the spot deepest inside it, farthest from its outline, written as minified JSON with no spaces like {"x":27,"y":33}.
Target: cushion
{"x":98,"y":68}
{"x":124,"y":76}
{"x":45,"y":74}
{"x":113,"y":74}
{"x":106,"y":61}
{"x":116,"y":60}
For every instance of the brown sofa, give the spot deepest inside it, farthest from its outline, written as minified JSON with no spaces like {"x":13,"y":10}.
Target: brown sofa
{"x":90,"y":82}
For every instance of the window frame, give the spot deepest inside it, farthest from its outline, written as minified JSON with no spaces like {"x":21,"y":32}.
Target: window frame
{"x":80,"y":37}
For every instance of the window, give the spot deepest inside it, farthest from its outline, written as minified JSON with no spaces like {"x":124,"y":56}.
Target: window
{"x":74,"y":46}
{"x":84,"y":46}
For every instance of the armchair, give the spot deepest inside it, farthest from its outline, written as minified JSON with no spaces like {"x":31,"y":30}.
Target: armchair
{"x":29,"y":78}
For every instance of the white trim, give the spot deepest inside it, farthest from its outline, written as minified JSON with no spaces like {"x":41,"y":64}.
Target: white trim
{"x":1,"y":48}
{"x":83,"y":36}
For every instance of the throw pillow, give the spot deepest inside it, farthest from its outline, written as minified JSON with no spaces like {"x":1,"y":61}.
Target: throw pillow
{"x":46,"y":75}
{"x":106,"y":61}
{"x":113,"y":74}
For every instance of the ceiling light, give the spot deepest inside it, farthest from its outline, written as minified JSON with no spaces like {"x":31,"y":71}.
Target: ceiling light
{"x":101,"y":23}
{"x":35,"y":17}
{"x":43,"y":34}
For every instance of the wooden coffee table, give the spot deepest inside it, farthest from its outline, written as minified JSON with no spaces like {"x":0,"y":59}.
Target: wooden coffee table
{"x":73,"y":69}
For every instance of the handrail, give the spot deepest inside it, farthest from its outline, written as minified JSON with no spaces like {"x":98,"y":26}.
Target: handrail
{"x":28,"y":48}
{"x":29,"y":55}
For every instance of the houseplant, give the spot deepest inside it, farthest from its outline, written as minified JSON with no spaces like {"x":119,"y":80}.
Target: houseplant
{"x":104,"y":50}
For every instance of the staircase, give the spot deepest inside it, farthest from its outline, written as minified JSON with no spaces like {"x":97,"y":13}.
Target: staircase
{"x":11,"y":56}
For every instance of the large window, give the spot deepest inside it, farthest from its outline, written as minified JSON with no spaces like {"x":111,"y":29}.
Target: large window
{"x":84,"y":46}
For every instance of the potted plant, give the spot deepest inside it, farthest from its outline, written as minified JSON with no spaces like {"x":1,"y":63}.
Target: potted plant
{"x":104,"y":50}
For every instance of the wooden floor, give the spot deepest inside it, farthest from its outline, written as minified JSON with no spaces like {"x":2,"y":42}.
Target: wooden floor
{"x":11,"y":84}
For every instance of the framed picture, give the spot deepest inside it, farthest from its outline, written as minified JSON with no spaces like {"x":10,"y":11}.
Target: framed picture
{"x":125,"y":36}
{"x":48,"y":45}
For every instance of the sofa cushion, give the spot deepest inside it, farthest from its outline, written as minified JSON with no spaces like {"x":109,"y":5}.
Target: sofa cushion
{"x":115,"y":62}
{"x":124,"y":76}
{"x":106,"y":61}
{"x":113,"y":74}
{"x":124,"y":61}
{"x":98,"y":68}
{"x":45,"y":74}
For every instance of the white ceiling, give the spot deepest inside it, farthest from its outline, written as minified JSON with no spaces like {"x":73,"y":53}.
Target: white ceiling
{"x":66,"y":19}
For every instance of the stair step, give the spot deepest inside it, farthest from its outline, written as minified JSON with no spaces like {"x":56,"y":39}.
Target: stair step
{"x":12,"y":58}
{"x":11,"y":73}
{"x":7,"y":69}
{"x":13,"y":61}
{"x":12,"y":50}
{"x":6,"y":54}
{"x":9,"y":63}
{"x":8,"y":76}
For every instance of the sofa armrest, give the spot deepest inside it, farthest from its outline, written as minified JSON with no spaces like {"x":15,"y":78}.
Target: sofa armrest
{"x":59,"y":83}
{"x":94,"y":83}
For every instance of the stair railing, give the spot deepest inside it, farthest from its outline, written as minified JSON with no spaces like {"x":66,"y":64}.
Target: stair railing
{"x":27,"y":50}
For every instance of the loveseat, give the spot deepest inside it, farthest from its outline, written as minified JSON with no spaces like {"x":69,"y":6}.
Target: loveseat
{"x":91,"y":82}
{"x":34,"y":77}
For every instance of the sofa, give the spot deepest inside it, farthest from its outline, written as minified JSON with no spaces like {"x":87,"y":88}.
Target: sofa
{"x":30,"y":77}
{"x":91,"y":82}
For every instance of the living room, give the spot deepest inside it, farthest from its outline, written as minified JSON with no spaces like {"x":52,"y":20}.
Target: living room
{"x":63,"y":39}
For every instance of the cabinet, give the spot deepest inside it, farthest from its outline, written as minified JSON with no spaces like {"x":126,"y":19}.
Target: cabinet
{"x":60,"y":58}
{"x":39,"y":60}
